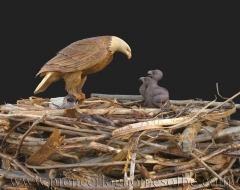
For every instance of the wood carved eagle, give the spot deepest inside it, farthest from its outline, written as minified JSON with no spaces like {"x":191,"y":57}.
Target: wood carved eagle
{"x":76,"y":61}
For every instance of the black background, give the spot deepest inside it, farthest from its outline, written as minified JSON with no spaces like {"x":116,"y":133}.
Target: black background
{"x":195,"y":44}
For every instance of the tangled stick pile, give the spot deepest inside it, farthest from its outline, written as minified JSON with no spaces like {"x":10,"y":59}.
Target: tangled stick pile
{"x":112,"y":142}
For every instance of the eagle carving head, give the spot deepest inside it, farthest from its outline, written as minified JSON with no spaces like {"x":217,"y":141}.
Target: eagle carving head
{"x":119,"y":45}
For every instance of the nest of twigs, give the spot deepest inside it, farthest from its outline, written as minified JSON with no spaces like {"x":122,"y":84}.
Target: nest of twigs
{"x":112,"y":142}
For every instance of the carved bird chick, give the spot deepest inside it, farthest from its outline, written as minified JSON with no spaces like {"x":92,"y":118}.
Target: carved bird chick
{"x":157,"y":75}
{"x":156,"y":96}
{"x":76,"y":61}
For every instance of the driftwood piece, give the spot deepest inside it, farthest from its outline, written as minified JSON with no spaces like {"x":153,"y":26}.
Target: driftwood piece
{"x":223,"y":133}
{"x":110,"y":111}
{"x":47,"y":149}
{"x":86,"y":139}
{"x":119,"y":97}
{"x":220,"y":127}
{"x":174,"y":102}
{"x":87,"y":118}
{"x":97,"y":164}
{"x":103,"y":120}
{"x":189,"y":134}
{"x":73,"y":129}
{"x":159,"y":147}
{"x":148,"y":125}
{"x":103,"y":148}
{"x":63,"y":131}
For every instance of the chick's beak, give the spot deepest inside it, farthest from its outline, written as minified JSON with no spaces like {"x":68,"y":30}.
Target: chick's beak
{"x":150,"y":73}
{"x":129,"y":55}
{"x":141,"y":78}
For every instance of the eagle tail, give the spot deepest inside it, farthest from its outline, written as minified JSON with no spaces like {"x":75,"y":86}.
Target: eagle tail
{"x":48,"y":79}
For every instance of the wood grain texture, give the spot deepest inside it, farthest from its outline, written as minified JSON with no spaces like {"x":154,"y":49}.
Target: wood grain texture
{"x":90,"y":55}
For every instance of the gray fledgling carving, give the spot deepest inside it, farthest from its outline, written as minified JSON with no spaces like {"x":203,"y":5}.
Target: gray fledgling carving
{"x":154,"y":95}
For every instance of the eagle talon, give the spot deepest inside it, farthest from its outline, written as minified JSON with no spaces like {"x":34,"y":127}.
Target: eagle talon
{"x":79,"y":97}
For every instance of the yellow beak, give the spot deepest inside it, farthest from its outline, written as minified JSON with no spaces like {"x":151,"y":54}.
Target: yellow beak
{"x":129,"y":55}
{"x":149,"y":73}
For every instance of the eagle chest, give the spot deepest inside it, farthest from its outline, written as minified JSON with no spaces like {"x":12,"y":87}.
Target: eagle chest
{"x":99,"y":66}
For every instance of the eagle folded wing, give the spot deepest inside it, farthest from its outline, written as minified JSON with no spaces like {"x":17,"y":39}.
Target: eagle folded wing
{"x":77,"y":56}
